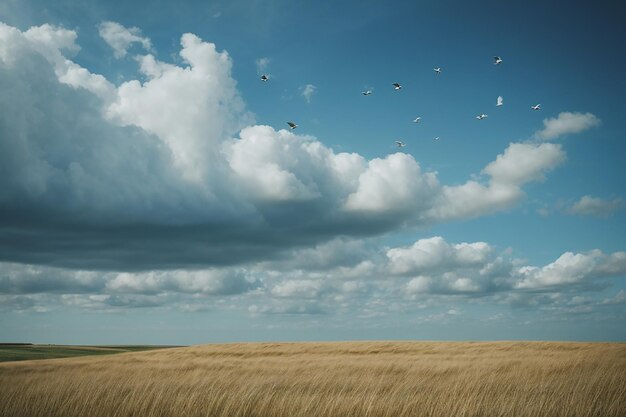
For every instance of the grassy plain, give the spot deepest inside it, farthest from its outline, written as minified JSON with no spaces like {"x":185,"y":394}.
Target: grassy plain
{"x":364,"y":379}
{"x":22,"y":352}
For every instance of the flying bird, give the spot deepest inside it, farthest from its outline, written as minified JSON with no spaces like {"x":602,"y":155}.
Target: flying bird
{"x":400,"y":144}
{"x":417,"y":119}
{"x":536,"y":107}
{"x":366,"y":93}
{"x":437,"y":70}
{"x":396,"y":86}
{"x":481,"y":116}
{"x":497,"y":60}
{"x":499,"y":101}
{"x":264,"y":77}
{"x":292,"y":125}
{"x":436,"y":138}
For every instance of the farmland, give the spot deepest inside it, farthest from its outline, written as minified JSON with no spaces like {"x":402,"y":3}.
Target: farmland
{"x":28,"y":351}
{"x":327,"y":380}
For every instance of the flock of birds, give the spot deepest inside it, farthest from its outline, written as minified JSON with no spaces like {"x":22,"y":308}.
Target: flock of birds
{"x":397,"y":86}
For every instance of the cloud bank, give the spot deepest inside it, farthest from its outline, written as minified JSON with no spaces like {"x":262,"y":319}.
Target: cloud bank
{"x":330,"y":278}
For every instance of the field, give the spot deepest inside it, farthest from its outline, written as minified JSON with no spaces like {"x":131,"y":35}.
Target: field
{"x":364,"y":379}
{"x":24,"y":351}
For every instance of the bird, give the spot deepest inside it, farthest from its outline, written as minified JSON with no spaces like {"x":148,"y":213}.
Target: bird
{"x":417,"y":119}
{"x":400,"y":144}
{"x":264,"y":77}
{"x":536,"y":107}
{"x":396,"y":86}
{"x":497,"y":60}
{"x":292,"y":125}
{"x":436,"y":138}
{"x":437,"y":70}
{"x":366,"y":93}
{"x":499,"y":101}
{"x":481,"y":116}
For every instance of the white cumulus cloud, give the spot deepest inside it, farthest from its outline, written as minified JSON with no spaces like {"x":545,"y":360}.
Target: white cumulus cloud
{"x":572,"y":268}
{"x":524,"y":162}
{"x":192,"y":110}
{"x":519,"y":164}
{"x":121,"y":38}
{"x":303,"y":288}
{"x":566,"y":123}
{"x":394,"y":184}
{"x":433,"y":254}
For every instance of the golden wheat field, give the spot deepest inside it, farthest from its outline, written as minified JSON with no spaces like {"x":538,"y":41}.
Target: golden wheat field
{"x":365,"y":379}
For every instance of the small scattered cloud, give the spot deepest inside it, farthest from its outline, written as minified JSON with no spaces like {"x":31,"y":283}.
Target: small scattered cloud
{"x":619,"y":298}
{"x":308,"y":308}
{"x":262,"y":64}
{"x":121,"y":38}
{"x":524,"y":162}
{"x":436,"y":255}
{"x":440,"y":318}
{"x":566,"y":123}
{"x":223,"y":281}
{"x":304,"y":288}
{"x":543,"y":211}
{"x":572,"y":269}
{"x":599,"y":207}
{"x":111,"y":302}
{"x":438,"y":267}
{"x":308,"y":91}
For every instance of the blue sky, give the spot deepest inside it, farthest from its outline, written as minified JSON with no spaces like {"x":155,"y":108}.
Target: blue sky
{"x":150,"y":181}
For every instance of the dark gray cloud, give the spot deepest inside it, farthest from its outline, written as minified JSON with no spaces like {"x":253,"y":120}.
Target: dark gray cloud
{"x":31,"y":279}
{"x":79,"y":192}
{"x":21,"y":303}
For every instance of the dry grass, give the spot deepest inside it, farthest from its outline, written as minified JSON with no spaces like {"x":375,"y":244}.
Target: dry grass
{"x":364,"y":379}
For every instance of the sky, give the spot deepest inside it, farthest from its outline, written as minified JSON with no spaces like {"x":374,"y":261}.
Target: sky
{"x":151,"y":191}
